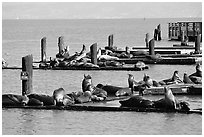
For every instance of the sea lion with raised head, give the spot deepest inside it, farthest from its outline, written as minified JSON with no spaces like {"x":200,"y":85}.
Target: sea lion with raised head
{"x":86,"y":82}
{"x":131,"y":82}
{"x":186,"y":79}
{"x":170,"y":100}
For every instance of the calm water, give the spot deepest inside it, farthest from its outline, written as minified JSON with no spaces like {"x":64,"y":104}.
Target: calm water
{"x":22,"y":37}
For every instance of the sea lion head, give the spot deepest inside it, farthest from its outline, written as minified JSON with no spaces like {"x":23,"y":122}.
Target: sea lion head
{"x":86,"y":82}
{"x":58,"y":95}
{"x":198,"y":68}
{"x":130,"y":76}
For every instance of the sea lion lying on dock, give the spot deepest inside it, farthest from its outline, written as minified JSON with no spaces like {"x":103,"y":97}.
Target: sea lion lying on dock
{"x":168,"y":102}
{"x":115,"y":90}
{"x":87,"y":85}
{"x":35,"y":99}
{"x":61,"y":98}
{"x":14,"y":100}
{"x":174,"y":80}
{"x":197,"y":76}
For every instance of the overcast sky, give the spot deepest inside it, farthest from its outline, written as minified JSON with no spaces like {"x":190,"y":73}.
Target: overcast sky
{"x":69,"y":10}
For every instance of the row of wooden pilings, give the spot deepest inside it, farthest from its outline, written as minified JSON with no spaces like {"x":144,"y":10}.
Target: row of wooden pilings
{"x":27,"y":69}
{"x":93,"y":48}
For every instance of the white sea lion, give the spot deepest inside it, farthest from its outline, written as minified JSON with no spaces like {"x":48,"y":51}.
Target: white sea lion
{"x":58,"y":95}
{"x":107,"y":57}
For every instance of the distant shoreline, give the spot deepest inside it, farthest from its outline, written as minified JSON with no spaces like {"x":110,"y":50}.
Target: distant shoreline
{"x":199,"y":19}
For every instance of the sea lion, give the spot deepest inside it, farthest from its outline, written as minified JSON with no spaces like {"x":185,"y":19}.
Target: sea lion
{"x":175,"y":79}
{"x":148,"y":81}
{"x":82,"y":54}
{"x":14,"y":100}
{"x":111,"y":90}
{"x":170,"y":100}
{"x":61,"y":98}
{"x":197,"y":76}
{"x":186,"y":79}
{"x":81,"y":97}
{"x":131,"y":82}
{"x":86,"y":82}
{"x":123,"y":92}
{"x":34,"y":102}
{"x":136,"y":101}
{"x":46,"y":99}
{"x":58,"y":95}
{"x":107,"y":57}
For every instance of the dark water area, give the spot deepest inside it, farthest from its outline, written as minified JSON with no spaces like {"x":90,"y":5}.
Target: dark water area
{"x":22,"y":37}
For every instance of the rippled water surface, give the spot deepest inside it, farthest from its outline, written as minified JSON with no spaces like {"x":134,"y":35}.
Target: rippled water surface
{"x":22,"y":37}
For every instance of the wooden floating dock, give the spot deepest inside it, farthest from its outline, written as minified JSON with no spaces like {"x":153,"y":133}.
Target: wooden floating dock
{"x":87,"y":68}
{"x":177,"y":89}
{"x":166,"y":60}
{"x":94,"y":107}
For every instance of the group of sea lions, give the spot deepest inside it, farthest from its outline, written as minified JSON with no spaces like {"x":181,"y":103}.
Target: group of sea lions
{"x":101,"y":92}
{"x":83,"y":59}
{"x":59,"y":98}
{"x":147,"y":82}
{"x":169,"y":102}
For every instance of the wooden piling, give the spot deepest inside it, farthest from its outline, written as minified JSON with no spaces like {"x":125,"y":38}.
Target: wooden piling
{"x":182,"y":38}
{"x":155,"y":34}
{"x":110,"y":40}
{"x":197,"y":43}
{"x":159,"y":31}
{"x":43,"y":49}
{"x":27,"y":74}
{"x":93,"y":50}
{"x":127,"y":50}
{"x":61,"y":44}
{"x":151,"y":47}
{"x":147,"y":40}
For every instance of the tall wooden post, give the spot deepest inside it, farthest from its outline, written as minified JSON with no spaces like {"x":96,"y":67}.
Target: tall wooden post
{"x":155,"y":34}
{"x":43,"y":49}
{"x":27,"y":74}
{"x":197,"y":43}
{"x":182,"y":38}
{"x":127,"y":50}
{"x":159,"y":31}
{"x":93,"y":50}
{"x":147,"y":40}
{"x":110,"y":40}
{"x":61,"y":44}
{"x":151,"y":47}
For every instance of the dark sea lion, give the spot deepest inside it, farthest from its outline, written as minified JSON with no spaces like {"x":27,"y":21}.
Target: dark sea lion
{"x":46,"y":99}
{"x":186,"y":79}
{"x":196,"y":80}
{"x":14,"y":100}
{"x":111,"y":90}
{"x":136,"y":101}
{"x":34,"y":102}
{"x":197,"y":76}
{"x":139,"y":52}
